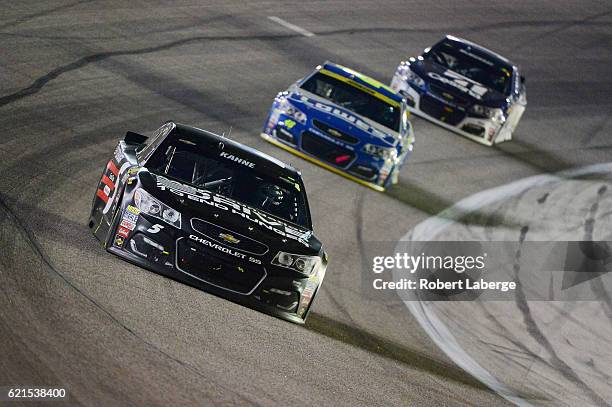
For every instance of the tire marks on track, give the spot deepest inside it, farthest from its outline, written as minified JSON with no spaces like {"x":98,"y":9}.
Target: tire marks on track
{"x":440,"y":333}
{"x":378,"y":345}
{"x":348,"y":334}
{"x":27,"y":234}
{"x":536,"y":333}
{"x":589,"y":20}
{"x":40,"y":82}
{"x":589,"y":227}
{"x":43,"y":13}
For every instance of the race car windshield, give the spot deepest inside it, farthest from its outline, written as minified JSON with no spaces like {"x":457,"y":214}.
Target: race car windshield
{"x":354,"y":99}
{"x":185,"y":160}
{"x":489,"y":73}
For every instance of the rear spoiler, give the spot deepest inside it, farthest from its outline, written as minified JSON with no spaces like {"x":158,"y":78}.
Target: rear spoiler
{"x":134,"y":138}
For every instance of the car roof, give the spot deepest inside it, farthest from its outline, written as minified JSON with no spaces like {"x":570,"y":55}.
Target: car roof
{"x":261,"y":160}
{"x":484,"y":52}
{"x":361,"y":79}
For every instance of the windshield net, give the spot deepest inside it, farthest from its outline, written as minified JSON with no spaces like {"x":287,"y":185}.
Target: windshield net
{"x":354,"y":99}
{"x":183,"y":159}
{"x":475,"y":67}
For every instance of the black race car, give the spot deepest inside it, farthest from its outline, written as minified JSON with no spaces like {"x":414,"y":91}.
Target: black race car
{"x":465,"y":88}
{"x":214,"y":214}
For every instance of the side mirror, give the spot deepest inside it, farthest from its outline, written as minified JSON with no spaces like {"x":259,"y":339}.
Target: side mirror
{"x":134,"y":138}
{"x":522,"y":79}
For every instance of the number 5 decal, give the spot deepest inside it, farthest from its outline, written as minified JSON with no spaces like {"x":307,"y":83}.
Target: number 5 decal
{"x":155,"y":228}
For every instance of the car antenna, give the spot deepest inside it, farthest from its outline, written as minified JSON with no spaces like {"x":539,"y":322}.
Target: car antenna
{"x":228,"y":133}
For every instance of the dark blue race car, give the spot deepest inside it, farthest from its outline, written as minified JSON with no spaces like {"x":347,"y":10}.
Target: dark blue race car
{"x":465,"y":88}
{"x":344,"y":121}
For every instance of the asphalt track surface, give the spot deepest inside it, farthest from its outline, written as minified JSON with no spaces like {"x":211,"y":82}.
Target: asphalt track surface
{"x":74,"y":76}
{"x":549,"y":342}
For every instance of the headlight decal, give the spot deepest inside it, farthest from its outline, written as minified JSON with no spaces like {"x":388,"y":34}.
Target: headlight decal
{"x":379,"y":151}
{"x":306,"y":265}
{"x":414,"y":79}
{"x":409,"y":76}
{"x":153,"y":207}
{"x":288,"y":109}
{"x":488,"y":112}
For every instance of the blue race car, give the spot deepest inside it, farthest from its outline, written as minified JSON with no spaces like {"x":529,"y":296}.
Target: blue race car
{"x":465,"y":88}
{"x":345,"y":122}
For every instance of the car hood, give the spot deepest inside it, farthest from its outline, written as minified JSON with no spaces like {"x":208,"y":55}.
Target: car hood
{"x":366,"y":130}
{"x":457,"y":85}
{"x":238,"y":219}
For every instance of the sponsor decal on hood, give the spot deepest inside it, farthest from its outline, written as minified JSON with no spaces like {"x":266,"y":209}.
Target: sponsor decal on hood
{"x":453,"y":82}
{"x":229,"y":205}
{"x":460,"y":82}
{"x":378,"y":131}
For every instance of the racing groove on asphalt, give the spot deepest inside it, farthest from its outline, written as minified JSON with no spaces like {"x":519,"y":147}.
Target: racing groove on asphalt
{"x":76,"y":76}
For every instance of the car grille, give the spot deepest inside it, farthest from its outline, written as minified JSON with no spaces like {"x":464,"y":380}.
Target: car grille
{"x":332,"y":132}
{"x":438,"y":110}
{"x":326,"y":150}
{"x":474,"y":129}
{"x":230,"y":274}
{"x":228,"y":238}
{"x":284,"y":135}
{"x":364,"y":172}
{"x":453,"y":100}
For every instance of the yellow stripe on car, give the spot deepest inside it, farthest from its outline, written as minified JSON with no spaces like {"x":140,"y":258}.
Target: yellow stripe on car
{"x":366,"y":79}
{"x":360,"y":87}
{"x":320,"y":163}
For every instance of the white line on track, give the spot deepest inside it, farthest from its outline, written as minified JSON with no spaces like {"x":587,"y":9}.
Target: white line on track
{"x":290,"y":26}
{"x":425,"y":231}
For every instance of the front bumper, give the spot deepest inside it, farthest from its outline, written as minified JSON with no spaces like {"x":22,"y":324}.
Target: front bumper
{"x":360,"y":168}
{"x":314,"y":160}
{"x":171,"y":252}
{"x":484,"y":131}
